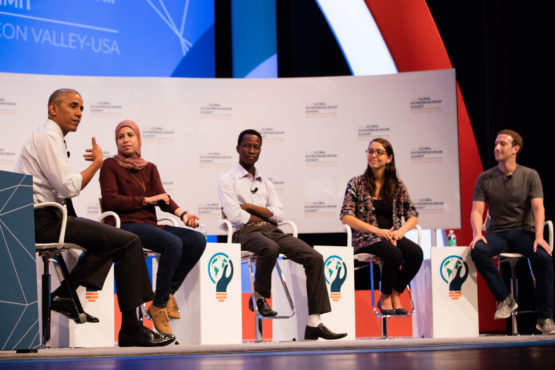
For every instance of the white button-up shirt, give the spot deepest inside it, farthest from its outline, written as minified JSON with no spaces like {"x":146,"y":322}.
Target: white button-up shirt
{"x":237,"y":186}
{"x":44,"y":157}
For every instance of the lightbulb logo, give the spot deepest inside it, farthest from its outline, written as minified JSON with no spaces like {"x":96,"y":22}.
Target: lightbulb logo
{"x":220,"y":271}
{"x":335,"y":272}
{"x":454,"y":271}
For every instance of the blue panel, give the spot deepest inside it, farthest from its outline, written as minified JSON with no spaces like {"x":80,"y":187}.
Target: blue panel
{"x":18,"y":298}
{"x":253,"y":34}
{"x":245,"y":278}
{"x":107,"y":37}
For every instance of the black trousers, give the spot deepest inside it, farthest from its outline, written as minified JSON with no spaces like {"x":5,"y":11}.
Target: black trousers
{"x":406,"y":252}
{"x":103,"y":246}
{"x":267,"y":241}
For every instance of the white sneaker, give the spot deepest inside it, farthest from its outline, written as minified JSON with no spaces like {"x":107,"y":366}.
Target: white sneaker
{"x":546,"y":326}
{"x":505,"y":308}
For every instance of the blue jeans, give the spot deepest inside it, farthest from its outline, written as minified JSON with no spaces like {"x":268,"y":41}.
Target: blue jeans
{"x":179,"y":248}
{"x":522,"y":242}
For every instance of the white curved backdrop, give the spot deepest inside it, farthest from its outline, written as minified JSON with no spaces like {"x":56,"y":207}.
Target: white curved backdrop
{"x":315,"y":132}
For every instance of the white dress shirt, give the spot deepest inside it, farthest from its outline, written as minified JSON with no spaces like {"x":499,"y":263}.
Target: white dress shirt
{"x":44,"y":157}
{"x":237,"y":186}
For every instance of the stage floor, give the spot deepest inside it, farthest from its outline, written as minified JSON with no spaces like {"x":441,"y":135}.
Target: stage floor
{"x":500,"y":352}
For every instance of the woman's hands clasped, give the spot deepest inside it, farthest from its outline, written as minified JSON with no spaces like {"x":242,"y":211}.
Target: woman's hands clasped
{"x":390,"y":235}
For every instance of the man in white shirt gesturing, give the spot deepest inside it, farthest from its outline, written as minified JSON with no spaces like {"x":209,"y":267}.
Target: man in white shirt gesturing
{"x":45,"y":157}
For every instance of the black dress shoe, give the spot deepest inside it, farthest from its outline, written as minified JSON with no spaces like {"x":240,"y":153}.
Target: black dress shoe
{"x":320,"y":331}
{"x":263,"y":307}
{"x":384,"y":311}
{"x":66,"y":307}
{"x":144,"y":338}
{"x":401,"y":311}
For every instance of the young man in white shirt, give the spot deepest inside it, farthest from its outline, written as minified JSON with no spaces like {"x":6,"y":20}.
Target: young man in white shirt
{"x":250,"y":202}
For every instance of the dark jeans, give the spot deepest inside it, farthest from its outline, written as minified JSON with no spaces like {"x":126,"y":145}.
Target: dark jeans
{"x":519,"y":241}
{"x":179,"y":248}
{"x":104,"y":245}
{"x":392,"y":257}
{"x":267,"y":242}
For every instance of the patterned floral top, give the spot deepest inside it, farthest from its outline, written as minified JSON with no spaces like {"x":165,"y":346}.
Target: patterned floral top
{"x":359,"y":203}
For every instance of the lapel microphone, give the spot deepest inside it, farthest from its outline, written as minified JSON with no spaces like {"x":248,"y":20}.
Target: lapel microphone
{"x":254,"y":190}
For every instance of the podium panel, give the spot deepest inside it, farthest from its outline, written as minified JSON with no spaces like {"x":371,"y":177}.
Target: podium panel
{"x":447,"y":288}
{"x":99,"y":303}
{"x":210,"y":298}
{"x":291,"y":329}
{"x":339,"y":273}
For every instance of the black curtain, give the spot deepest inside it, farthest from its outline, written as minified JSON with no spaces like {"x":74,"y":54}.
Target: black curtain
{"x":499,"y":49}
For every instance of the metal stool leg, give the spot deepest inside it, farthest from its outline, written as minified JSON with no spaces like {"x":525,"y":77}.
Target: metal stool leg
{"x":514,"y":295}
{"x":65,"y":280}
{"x":258,"y":319}
{"x":382,"y":318}
{"x":285,"y":289}
{"x":512,"y":259}
{"x":142,"y":312}
{"x":45,"y":302}
{"x":383,"y":327}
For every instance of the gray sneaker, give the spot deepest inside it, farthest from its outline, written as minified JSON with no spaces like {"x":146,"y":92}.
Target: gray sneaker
{"x":546,"y":326}
{"x":505,"y":308}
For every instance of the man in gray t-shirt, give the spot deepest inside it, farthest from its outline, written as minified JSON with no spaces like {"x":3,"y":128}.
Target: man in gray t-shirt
{"x":515,"y":223}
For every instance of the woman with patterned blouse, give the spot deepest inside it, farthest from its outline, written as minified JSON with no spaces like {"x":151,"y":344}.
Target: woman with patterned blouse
{"x":373,"y":206}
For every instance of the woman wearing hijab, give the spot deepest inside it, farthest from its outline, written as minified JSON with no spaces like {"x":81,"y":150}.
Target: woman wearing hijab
{"x":132,"y":188}
{"x":374,"y":204}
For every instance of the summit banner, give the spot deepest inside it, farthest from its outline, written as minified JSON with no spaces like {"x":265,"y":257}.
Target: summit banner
{"x":315,"y":132}
{"x":108,"y":37}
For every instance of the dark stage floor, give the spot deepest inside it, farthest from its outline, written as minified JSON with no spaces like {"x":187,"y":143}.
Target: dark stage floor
{"x":525,"y":352}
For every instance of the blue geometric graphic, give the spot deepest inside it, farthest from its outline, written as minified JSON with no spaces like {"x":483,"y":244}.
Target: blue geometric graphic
{"x":19,"y":326}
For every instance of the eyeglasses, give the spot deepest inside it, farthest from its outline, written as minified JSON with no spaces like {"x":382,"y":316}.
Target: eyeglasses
{"x":378,"y":152}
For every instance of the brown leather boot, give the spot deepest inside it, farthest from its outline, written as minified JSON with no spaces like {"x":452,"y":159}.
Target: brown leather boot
{"x":173,"y":310}
{"x":160,"y":319}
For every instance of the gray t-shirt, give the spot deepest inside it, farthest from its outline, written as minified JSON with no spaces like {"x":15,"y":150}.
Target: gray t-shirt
{"x":508,"y":197}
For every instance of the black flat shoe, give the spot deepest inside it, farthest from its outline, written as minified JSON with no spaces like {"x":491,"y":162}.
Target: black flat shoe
{"x":313,"y":333}
{"x":263,"y":307}
{"x":144,"y":338}
{"x":385,"y":312}
{"x":66,"y":307}
{"x":401,"y":311}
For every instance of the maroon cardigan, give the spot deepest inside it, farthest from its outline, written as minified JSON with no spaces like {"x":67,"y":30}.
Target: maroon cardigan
{"x":123,"y":194}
